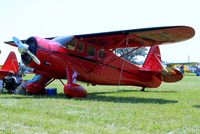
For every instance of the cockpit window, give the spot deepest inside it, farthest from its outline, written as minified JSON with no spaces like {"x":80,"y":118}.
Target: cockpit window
{"x":67,"y":41}
{"x":71,"y":45}
{"x":63,"y":40}
{"x":91,"y":50}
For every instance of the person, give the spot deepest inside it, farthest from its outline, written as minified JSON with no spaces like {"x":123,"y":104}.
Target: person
{"x":18,"y":78}
{"x":25,"y":70}
{"x":182,"y":69}
{"x":198,"y":71}
{"x":10,"y":84}
{"x":1,"y":86}
{"x":21,"y":89}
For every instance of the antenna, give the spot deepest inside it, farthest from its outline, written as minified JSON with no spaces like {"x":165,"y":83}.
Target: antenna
{"x":188,"y":58}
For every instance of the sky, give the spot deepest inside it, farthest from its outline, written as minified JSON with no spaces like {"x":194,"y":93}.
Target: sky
{"x":49,"y":18}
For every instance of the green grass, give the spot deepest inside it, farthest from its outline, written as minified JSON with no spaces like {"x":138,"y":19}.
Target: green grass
{"x":171,"y":108}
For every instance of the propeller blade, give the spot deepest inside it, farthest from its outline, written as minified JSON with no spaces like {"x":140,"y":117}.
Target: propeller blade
{"x":34,"y":57}
{"x":16,"y":40}
{"x":22,"y":48}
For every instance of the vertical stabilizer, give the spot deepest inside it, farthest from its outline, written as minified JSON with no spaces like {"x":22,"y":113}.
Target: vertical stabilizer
{"x":11,"y":63}
{"x":153,"y":60}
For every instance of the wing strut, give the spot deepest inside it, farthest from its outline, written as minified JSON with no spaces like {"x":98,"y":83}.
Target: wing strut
{"x":62,"y":82}
{"x":122,"y":67}
{"x":49,"y":82}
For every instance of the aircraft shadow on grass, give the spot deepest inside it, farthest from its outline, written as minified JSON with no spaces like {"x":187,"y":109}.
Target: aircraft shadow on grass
{"x":196,"y":106}
{"x":101,"y":97}
{"x":124,"y":90}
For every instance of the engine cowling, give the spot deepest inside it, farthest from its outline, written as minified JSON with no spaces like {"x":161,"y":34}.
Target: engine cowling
{"x":32,"y":43}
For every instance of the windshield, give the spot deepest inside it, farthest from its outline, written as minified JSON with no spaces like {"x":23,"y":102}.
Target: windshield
{"x":63,"y":39}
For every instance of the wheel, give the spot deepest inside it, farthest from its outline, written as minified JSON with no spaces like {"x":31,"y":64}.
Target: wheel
{"x":143,"y":89}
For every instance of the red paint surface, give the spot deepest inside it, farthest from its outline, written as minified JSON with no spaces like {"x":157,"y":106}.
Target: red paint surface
{"x":10,"y":66}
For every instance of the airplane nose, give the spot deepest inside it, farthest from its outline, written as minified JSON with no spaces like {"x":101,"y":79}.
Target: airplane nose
{"x":32,"y":43}
{"x":29,"y":56}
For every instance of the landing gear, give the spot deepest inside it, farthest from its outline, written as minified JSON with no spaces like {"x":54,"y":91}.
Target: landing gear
{"x":74,"y":90}
{"x":143,"y":89}
{"x":71,"y":89}
{"x":35,"y":89}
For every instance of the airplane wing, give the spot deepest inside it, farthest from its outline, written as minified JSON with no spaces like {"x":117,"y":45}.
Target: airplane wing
{"x":182,"y":63}
{"x":139,"y":37}
{"x":135,"y":38}
{"x":12,"y":43}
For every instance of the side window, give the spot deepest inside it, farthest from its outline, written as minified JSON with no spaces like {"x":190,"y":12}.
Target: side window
{"x":80,"y":46}
{"x":91,"y":50}
{"x":71,"y":45}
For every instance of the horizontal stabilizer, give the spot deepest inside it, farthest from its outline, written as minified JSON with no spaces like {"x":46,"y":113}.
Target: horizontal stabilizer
{"x":172,"y":75}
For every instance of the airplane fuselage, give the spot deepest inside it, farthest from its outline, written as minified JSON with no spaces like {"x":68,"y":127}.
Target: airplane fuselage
{"x":108,"y":69}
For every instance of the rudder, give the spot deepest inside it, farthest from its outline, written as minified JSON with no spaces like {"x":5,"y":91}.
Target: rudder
{"x":153,"y":60}
{"x":153,"y":64}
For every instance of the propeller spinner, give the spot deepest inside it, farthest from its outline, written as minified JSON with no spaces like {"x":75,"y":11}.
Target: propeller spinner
{"x":23,"y":48}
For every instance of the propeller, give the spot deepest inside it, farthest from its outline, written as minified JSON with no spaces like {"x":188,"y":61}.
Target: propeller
{"x":23,"y":48}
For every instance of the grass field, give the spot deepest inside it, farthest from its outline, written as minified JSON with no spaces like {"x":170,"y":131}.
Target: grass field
{"x":171,"y":108}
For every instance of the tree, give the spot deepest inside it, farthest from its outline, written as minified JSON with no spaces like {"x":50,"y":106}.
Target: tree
{"x":131,"y":54}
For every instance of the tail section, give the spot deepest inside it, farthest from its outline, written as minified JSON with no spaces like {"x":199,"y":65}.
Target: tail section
{"x":11,"y":63}
{"x":153,"y":64}
{"x":153,"y":60}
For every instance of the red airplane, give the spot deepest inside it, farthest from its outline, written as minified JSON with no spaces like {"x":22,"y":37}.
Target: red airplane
{"x":90,"y":58}
{"x":10,"y":66}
